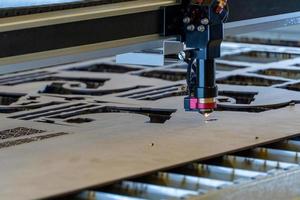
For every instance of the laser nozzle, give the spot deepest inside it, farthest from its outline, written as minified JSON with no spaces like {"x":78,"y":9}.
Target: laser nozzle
{"x":204,"y":106}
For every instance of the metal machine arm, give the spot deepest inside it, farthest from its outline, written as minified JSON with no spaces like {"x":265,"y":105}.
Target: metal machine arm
{"x":200,"y":25}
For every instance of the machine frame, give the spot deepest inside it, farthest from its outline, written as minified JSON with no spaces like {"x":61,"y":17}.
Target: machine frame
{"x":75,"y":30}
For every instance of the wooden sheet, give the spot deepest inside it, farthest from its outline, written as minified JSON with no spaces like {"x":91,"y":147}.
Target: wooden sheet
{"x":119,"y":142}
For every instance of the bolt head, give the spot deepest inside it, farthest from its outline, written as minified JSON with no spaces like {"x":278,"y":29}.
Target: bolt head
{"x":201,"y":28}
{"x":205,"y":21}
{"x":186,"y":20}
{"x":182,"y":55}
{"x":190,"y":27}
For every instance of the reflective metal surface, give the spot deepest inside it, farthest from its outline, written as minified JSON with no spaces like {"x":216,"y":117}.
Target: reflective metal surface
{"x":263,"y":23}
{"x":28,"y":3}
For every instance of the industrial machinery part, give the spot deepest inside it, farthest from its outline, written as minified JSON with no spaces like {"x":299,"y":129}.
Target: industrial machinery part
{"x":37,"y":33}
{"x":49,"y":34}
{"x":200,"y":26}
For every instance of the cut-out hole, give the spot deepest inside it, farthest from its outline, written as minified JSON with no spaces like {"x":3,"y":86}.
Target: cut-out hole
{"x":165,"y":75}
{"x":158,"y":93}
{"x":9,"y":98}
{"x":28,"y":103}
{"x":75,"y":110}
{"x":105,"y":68}
{"x":18,"y":108}
{"x":224,"y":100}
{"x":24,"y":78}
{"x":57,"y":88}
{"x":75,"y":85}
{"x":240,"y":97}
{"x":155,"y":115}
{"x":79,"y":120}
{"x":294,"y":87}
{"x":74,"y":98}
{"x":225,"y":67}
{"x":285,"y":73}
{"x":260,"y":56}
{"x":90,"y":82}
{"x":248,"y":80}
{"x":254,"y":109}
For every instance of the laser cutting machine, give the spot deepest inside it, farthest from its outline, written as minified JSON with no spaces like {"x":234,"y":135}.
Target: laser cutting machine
{"x":69,"y":137}
{"x":198,"y":24}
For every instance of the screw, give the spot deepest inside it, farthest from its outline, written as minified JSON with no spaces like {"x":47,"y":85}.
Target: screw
{"x":205,"y":21}
{"x":186,"y":20}
{"x":182,"y":55}
{"x":190,"y":27}
{"x":183,"y":88}
{"x":201,"y":28}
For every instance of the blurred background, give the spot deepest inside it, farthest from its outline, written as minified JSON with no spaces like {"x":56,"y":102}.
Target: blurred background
{"x":26,"y":3}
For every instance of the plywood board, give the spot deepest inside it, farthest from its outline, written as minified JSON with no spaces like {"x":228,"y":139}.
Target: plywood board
{"x":75,"y":126}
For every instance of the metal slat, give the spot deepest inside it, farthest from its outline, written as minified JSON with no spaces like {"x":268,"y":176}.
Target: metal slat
{"x":290,"y":145}
{"x":257,"y":164}
{"x":233,"y":173}
{"x":276,"y":155}
{"x":186,"y":181}
{"x":151,"y":191}
{"x":93,"y":195}
{"x":219,"y":172}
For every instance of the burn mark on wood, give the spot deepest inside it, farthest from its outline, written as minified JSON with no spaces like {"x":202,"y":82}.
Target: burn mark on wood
{"x":19,"y":132}
{"x":29,"y":140}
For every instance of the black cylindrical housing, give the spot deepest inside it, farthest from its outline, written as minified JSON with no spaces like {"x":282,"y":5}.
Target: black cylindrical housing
{"x":206,"y":79}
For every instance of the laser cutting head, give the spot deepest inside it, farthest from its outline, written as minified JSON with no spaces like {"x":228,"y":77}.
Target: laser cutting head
{"x":203,"y":33}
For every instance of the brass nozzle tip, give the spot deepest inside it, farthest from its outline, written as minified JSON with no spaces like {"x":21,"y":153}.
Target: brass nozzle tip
{"x":206,"y":112}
